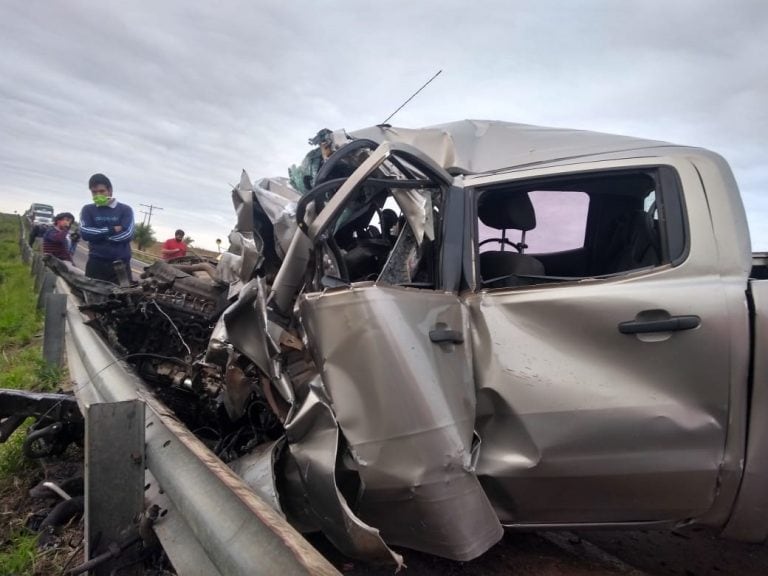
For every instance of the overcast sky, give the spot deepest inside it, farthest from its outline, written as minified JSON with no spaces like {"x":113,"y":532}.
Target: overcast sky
{"x":172,"y":99}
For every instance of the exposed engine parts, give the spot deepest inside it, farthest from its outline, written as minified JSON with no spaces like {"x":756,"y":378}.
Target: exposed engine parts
{"x":272,"y":356}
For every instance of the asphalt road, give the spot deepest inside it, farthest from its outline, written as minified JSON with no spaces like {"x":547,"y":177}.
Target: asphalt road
{"x":691,"y":552}
{"x":80,"y":257}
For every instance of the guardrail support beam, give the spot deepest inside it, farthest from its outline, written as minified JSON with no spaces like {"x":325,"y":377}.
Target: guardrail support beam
{"x":53,"y":330}
{"x":114,"y":479}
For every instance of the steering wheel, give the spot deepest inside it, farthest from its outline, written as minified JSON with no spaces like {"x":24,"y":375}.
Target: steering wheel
{"x":500,"y":241}
{"x":652,"y":229}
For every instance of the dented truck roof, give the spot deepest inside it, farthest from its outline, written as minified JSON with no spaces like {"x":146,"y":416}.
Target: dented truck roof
{"x":477,"y":146}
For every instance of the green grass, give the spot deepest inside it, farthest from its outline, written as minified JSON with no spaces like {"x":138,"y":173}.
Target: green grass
{"x":19,"y":318}
{"x":22,"y":368}
{"x":145,"y":258}
{"x":21,"y":558}
{"x":12,"y":459}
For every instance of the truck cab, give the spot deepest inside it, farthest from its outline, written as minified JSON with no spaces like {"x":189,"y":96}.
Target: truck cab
{"x":40,"y":214}
{"x":588,"y":323}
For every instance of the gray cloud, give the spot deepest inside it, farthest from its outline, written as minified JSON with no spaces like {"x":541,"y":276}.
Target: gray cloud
{"x":173,"y":99}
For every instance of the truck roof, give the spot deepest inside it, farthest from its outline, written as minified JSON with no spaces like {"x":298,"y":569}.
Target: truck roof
{"x":481,"y":146}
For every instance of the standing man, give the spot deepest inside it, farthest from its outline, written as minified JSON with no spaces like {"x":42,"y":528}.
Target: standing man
{"x":107,"y":226}
{"x":175,"y":247}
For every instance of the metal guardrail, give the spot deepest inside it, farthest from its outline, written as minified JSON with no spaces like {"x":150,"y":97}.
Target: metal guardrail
{"x":144,"y":255}
{"x":214,"y":524}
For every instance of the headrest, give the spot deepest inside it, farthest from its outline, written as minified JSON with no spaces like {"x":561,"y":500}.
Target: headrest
{"x":505,"y":209}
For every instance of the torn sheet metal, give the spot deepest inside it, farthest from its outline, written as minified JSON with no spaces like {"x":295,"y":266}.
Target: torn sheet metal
{"x":406,"y":407}
{"x":257,"y":469}
{"x":242,"y":198}
{"x":241,"y":239}
{"x":278,"y":202}
{"x":245,"y":327}
{"x":313,"y":439}
{"x":228,"y":272}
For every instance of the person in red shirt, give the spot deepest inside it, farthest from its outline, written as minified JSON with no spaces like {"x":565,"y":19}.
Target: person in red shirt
{"x":175,"y":247}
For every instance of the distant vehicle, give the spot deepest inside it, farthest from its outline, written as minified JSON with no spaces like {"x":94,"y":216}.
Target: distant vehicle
{"x":40,"y":214}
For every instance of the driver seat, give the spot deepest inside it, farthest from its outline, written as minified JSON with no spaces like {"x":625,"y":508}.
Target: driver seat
{"x":507,"y":210}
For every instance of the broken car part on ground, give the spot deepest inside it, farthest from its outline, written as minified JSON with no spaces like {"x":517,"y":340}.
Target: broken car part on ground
{"x":467,"y":327}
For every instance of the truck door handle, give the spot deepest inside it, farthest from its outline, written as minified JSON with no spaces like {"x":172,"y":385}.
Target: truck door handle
{"x":443,"y":335}
{"x":671,"y":324}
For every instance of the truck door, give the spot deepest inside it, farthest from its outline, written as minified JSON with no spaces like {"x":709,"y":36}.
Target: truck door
{"x":391,"y":341}
{"x":601,"y":343}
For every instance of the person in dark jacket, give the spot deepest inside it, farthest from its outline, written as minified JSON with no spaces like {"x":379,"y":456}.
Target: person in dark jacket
{"x":56,"y":241}
{"x":107,"y":226}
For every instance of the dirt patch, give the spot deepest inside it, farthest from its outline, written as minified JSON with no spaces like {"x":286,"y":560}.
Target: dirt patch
{"x":23,"y":549}
{"x":520,"y":554}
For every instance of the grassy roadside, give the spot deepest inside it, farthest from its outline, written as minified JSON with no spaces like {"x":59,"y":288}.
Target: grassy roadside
{"x":21,"y":367}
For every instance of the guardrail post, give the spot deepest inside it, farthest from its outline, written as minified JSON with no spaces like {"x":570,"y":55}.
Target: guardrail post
{"x":114,"y":480}
{"x":26,"y":252}
{"x":47,"y":284}
{"x":36,"y":263}
{"x":53,"y":330}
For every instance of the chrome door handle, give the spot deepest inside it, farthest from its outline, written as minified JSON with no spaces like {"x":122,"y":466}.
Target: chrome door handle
{"x":671,"y":324}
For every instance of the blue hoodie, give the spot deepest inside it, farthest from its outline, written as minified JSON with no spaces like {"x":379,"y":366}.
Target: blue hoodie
{"x":97,"y":227}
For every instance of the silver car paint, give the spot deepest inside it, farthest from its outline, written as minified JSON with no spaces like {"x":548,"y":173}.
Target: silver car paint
{"x":579,"y":424}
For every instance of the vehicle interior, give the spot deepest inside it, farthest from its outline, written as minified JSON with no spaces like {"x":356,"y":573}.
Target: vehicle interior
{"x":388,"y":232}
{"x":569,"y":228}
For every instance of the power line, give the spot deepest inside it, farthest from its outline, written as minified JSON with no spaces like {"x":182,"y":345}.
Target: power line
{"x":148,"y":215}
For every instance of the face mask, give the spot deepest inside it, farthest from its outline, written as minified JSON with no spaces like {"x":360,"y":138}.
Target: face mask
{"x":100,"y":200}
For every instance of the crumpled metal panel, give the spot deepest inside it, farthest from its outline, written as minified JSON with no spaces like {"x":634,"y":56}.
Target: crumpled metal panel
{"x":257,"y":470}
{"x":242,"y":198}
{"x":291,"y":275}
{"x":278,"y":201}
{"x":406,"y":407}
{"x":313,"y":439}
{"x":245,"y":326}
{"x":228,"y":272}
{"x":243,"y":240}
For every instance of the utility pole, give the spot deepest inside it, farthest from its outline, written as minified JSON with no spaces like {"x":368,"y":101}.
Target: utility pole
{"x":148,"y":215}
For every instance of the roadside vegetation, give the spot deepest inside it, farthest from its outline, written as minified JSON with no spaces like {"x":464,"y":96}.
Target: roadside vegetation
{"x":22,"y":368}
{"x":144,"y":236}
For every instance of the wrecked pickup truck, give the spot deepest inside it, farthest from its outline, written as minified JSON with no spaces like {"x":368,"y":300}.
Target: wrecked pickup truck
{"x":469,"y":327}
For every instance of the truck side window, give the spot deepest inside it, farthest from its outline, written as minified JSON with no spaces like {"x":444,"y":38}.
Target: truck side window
{"x":579,"y":226}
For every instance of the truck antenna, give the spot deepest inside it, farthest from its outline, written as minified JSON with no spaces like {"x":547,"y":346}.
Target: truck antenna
{"x":412,"y":97}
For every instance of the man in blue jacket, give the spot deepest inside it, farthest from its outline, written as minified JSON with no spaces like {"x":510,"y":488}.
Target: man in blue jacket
{"x":107,"y":226}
